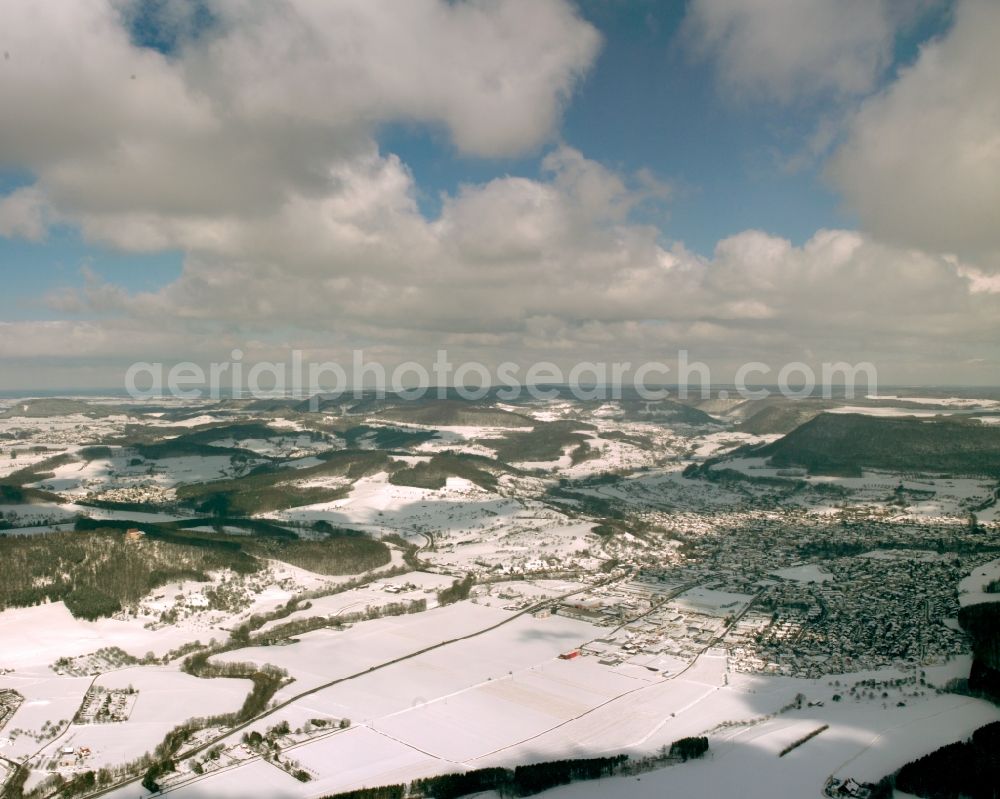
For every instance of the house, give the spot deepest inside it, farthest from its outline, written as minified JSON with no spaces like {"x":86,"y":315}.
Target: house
{"x":134,"y":534}
{"x":854,"y":789}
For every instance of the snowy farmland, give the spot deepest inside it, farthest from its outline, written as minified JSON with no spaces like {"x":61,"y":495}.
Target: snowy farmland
{"x":164,"y":695}
{"x":861,"y":743}
{"x":557,"y":709}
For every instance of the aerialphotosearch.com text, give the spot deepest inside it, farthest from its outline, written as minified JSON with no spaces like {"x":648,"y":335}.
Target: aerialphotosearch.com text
{"x":473,"y":380}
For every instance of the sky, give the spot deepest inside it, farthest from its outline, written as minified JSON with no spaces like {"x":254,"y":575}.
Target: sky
{"x":516,"y":180}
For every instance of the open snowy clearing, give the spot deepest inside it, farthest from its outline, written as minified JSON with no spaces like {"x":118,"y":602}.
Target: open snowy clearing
{"x":47,"y":632}
{"x":375,"y":502}
{"x":579,"y":708}
{"x":324,"y":655}
{"x":865,"y":743}
{"x":887,"y":411}
{"x":806,"y":573}
{"x":971,"y":591}
{"x":947,"y":402}
{"x":166,"y":697}
{"x":79,"y":479}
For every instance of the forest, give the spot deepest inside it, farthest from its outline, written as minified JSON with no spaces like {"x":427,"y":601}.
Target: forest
{"x":521,"y":781}
{"x":434,"y":473}
{"x":531,"y":779}
{"x":97,"y":572}
{"x":268,"y":488}
{"x":843,"y":443}
{"x":335,"y":550}
{"x":982,"y":622}
{"x":966,"y":769}
{"x":459,"y":590}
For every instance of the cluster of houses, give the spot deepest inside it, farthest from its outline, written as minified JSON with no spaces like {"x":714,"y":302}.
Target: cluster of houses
{"x":103,"y":706}
{"x":10,"y":701}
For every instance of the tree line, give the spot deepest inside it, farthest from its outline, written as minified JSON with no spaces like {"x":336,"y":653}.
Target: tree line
{"x":965,"y":769}
{"x":459,"y":590}
{"x":96,"y":573}
{"x":530,"y":779}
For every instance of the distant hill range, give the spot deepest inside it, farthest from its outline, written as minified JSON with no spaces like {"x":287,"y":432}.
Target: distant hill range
{"x":454,"y":413}
{"x":665,"y":410}
{"x":55,"y":406}
{"x":455,"y":410}
{"x":843,"y":444}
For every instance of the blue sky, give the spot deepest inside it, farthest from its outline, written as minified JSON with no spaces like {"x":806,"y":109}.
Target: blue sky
{"x":648,"y":105}
{"x":221,"y":166}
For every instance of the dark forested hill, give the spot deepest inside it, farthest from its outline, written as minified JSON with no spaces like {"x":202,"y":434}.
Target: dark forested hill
{"x":845,"y":443}
{"x":454,"y":413}
{"x":779,"y":418}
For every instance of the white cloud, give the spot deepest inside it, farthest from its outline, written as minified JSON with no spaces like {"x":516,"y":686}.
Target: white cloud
{"x":494,"y":73}
{"x":785,"y":50}
{"x":523,"y":269}
{"x":252,"y":152}
{"x":22,"y":214}
{"x":980,"y":282}
{"x":269,"y":103}
{"x":921,"y":164}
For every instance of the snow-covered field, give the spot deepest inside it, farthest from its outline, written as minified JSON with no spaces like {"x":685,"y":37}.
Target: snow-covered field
{"x":165,"y":698}
{"x":882,"y":410}
{"x":375,"y":502}
{"x":862,"y":742}
{"x":468,"y":523}
{"x":945,"y":402}
{"x":41,"y":634}
{"x":82,"y":478}
{"x":555,"y":708}
{"x":806,"y":573}
{"x":35,"y":637}
{"x":971,"y":591}
{"x":328,"y":654}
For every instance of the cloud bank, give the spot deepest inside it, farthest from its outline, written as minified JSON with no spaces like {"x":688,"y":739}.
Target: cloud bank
{"x":251,"y":147}
{"x":921,"y":163}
